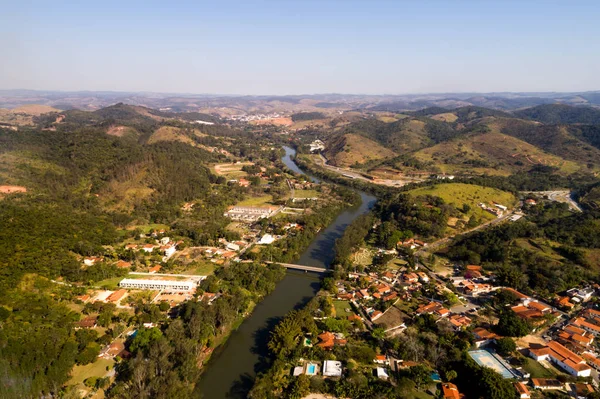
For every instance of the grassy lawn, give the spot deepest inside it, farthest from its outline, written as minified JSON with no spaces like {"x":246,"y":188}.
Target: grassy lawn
{"x":470,"y":194}
{"x":396,"y":264}
{"x":238,"y":227}
{"x":306,"y":193}
{"x":263,"y":200}
{"x":340,"y":308}
{"x":537,"y":370}
{"x":110,"y":284}
{"x":96,"y":369}
{"x":204,"y":269}
{"x":147,"y":228}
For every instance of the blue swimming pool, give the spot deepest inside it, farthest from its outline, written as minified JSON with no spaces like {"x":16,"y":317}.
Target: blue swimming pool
{"x":311,"y":369}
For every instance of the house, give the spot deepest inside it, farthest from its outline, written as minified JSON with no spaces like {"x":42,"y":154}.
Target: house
{"x":91,"y":260}
{"x":122,"y":264}
{"x":87,"y":322}
{"x":381,"y":359}
{"x":382,"y":374}
{"x":563,"y":358}
{"x":423,"y":277}
{"x":383,"y":288}
{"x":84,"y":298}
{"x":154,"y":269}
{"x":581,"y":391}
{"x":363,"y":294}
{"x":115,"y":349}
{"x":450,"y":391}
{"x":131,"y":246}
{"x":522,"y":390}
{"x":328,"y":340}
{"x":565,"y":303}
{"x":232,"y":247}
{"x":483,"y":337}
{"x":267,"y":239}
{"x":474,"y":289}
{"x":530,"y":201}
{"x":587,"y":325}
{"x":116,"y":296}
{"x":410,"y":277}
{"x":546,"y":384}
{"x":168,"y":250}
{"x":591,"y":360}
{"x":434,"y":308}
{"x":391,"y":296}
{"x":459,"y":322}
{"x":148,"y":248}
{"x":332,"y":368}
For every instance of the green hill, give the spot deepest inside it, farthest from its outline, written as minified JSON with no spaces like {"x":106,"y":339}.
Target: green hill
{"x":560,"y":114}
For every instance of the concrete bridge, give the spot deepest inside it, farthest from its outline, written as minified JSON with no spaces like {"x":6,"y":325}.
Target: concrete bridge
{"x":302,"y":267}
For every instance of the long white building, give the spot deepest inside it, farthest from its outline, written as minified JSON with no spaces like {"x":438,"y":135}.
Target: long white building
{"x":142,"y":284}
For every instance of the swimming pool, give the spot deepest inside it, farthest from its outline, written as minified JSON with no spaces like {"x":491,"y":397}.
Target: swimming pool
{"x":311,"y":369}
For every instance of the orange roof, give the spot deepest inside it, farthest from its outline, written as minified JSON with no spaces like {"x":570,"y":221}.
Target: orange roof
{"x":538,"y":306}
{"x":580,"y":321}
{"x":123,"y":264}
{"x":474,"y":268}
{"x":116,"y":296}
{"x":154,"y":269}
{"x":482,"y":333}
{"x":546,"y":382}
{"x":516,"y":293}
{"x":521,"y":388}
{"x":380,"y":357}
{"x":450,"y":391}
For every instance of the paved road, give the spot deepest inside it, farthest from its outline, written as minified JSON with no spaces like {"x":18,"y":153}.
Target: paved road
{"x":564,"y":196}
{"x":350,"y":173}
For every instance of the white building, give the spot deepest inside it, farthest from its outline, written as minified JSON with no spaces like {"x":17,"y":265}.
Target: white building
{"x":332,"y":368}
{"x":171,"y":285}
{"x":267,"y":239}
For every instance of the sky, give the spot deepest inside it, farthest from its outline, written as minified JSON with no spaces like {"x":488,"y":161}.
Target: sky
{"x":300,"y":47}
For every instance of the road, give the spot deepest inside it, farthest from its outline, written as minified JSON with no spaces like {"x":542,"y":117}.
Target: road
{"x":352,"y":174}
{"x":558,"y":196}
{"x":439,"y":243}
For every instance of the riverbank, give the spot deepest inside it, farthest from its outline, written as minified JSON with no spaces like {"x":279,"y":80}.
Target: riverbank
{"x":233,"y":366}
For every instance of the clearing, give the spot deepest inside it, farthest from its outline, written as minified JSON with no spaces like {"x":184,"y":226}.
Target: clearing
{"x":340,"y":308}
{"x":231,"y":170}
{"x":470,"y":194}
{"x":96,"y":369}
{"x":263,"y":200}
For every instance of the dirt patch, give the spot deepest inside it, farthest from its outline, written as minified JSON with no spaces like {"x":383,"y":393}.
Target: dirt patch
{"x":12,"y":189}
{"x":118,"y":131}
{"x":274,"y":121}
{"x":34,"y":109}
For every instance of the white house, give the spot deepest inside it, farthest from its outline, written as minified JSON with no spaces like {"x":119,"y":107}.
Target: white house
{"x":332,"y":368}
{"x":267,"y":239}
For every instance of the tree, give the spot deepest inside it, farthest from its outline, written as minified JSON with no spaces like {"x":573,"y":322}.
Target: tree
{"x":451,"y":374}
{"x":505,"y":346}
{"x":144,"y":338}
{"x":511,"y":325}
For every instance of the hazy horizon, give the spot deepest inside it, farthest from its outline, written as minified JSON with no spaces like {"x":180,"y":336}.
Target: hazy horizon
{"x":269,"y":48}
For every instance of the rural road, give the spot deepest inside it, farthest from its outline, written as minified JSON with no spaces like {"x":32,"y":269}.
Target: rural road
{"x":558,"y":196}
{"x":346,"y":172}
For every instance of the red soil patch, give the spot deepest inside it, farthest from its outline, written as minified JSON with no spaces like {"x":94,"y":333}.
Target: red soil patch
{"x":116,"y":131}
{"x":274,"y":121}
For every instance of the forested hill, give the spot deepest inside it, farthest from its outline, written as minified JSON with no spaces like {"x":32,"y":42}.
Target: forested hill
{"x":472,"y":141}
{"x":560,"y":114}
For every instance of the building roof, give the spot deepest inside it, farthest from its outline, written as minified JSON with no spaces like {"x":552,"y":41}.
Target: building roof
{"x":116,"y":296}
{"x":521,"y":388}
{"x":546,"y":382}
{"x":516,"y":293}
{"x":450,"y":391}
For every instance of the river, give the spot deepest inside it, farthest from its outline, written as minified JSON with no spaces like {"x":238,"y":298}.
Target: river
{"x":232,"y":367}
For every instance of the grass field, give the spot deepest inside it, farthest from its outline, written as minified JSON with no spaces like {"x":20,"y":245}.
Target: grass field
{"x":460,"y":193}
{"x":340,"y":308}
{"x":96,"y":369}
{"x":231,"y":170}
{"x":169,"y":133}
{"x":306,"y":193}
{"x":537,"y":370}
{"x":204,"y":269}
{"x":263,"y":200}
{"x":352,"y":148}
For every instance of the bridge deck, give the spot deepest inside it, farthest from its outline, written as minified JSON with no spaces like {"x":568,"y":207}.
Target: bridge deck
{"x":302,"y":267}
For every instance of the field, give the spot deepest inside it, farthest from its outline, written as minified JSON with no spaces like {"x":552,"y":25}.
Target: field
{"x":393,"y":317}
{"x":96,"y":369}
{"x":231,"y":170}
{"x":445,"y":117}
{"x":147,"y":228}
{"x":352,"y":148}
{"x":470,"y":194}
{"x":306,"y":193}
{"x":537,"y":370}
{"x":264,"y":200}
{"x":340,"y":308}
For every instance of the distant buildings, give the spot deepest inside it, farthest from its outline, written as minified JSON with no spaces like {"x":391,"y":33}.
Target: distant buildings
{"x":143,"y":284}
{"x":250,"y":213}
{"x":317,"y":146}
{"x":563,"y":358}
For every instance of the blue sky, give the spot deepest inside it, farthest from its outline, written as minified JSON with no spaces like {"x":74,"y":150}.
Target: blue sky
{"x":301,"y":47}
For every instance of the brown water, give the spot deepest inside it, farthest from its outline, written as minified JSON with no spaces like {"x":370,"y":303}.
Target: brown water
{"x":232,"y":368}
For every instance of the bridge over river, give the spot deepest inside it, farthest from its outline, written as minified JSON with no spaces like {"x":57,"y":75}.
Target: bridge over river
{"x":302,"y":267}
